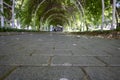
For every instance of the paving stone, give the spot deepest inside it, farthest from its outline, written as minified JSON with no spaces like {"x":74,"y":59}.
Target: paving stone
{"x":103,"y":73}
{"x":47,"y":51}
{"x":62,"y":52}
{"x":42,"y":46}
{"x":14,"y":51}
{"x":76,"y":61}
{"x":87,"y":52}
{"x":24,"y":60}
{"x":1,"y":56}
{"x":46,"y":73}
{"x":112,"y":51}
{"x":61,"y":46}
{"x":104,"y":47}
{"x":111,"y":60}
{"x":5,"y":70}
{"x":32,"y":51}
{"x":73,"y":46}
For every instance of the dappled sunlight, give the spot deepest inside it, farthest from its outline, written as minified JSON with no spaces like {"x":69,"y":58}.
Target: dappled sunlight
{"x":74,"y":44}
{"x":67,"y":64}
{"x":17,"y":38}
{"x":63,"y":79}
{"x":67,"y":15}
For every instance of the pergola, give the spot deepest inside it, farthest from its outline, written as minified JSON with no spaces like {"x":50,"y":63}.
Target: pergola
{"x":2,"y":3}
{"x":51,"y":16}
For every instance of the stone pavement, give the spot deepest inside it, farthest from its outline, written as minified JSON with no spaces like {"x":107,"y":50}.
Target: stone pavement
{"x":58,"y":56}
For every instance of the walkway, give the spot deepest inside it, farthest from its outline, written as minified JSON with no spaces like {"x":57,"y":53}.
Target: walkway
{"x":58,"y":56}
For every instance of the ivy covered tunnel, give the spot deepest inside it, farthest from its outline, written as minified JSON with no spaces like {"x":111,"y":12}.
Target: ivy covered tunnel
{"x":72,"y":15}
{"x":55,"y":12}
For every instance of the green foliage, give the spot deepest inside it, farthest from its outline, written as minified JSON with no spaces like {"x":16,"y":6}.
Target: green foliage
{"x":94,"y":7}
{"x":93,"y":10}
{"x":118,"y":29}
{"x":34,"y":12}
{"x":8,"y":29}
{"x":97,"y":32}
{"x":7,"y":10}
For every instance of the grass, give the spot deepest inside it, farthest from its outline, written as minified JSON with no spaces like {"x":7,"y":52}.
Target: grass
{"x":7,"y":29}
{"x":104,"y":34}
{"x":97,"y":32}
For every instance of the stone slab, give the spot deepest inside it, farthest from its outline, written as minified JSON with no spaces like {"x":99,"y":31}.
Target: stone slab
{"x":46,"y":73}
{"x":87,"y":52}
{"x":62,"y":52}
{"x":76,"y":61}
{"x":39,"y":52}
{"x":1,"y":57}
{"x":13,"y":51}
{"x":60,"y":46}
{"x":111,"y":61}
{"x":103,"y":73}
{"x":24,"y":60}
{"x":113,"y":51}
{"x":5,"y":70}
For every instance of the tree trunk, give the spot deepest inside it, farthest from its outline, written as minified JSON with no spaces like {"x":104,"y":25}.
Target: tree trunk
{"x":13,"y":15}
{"x":83,"y":15}
{"x":86,"y":25}
{"x":38,"y":28}
{"x":2,"y":18}
{"x":116,"y":15}
{"x":27,"y":27}
{"x":103,"y":8}
{"x":113,"y":15}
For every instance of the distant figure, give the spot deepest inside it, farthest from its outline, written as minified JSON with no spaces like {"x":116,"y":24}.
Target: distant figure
{"x":51,"y":28}
{"x":57,"y":29}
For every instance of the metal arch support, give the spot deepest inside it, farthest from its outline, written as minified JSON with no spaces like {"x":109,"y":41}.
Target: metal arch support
{"x":13,"y":15}
{"x":41,"y":19}
{"x":38,"y":9}
{"x":7,"y":5}
{"x":2,"y":18}
{"x":83,"y":13}
{"x":58,"y":16}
